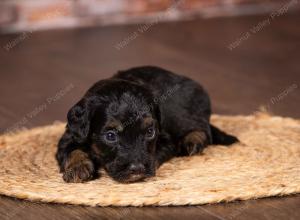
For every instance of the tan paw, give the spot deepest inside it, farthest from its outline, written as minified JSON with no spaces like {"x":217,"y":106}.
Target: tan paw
{"x":79,"y":168}
{"x":194,"y":142}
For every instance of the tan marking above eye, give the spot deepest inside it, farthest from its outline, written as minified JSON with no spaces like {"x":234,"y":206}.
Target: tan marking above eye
{"x":148,"y":121}
{"x":115,"y":124}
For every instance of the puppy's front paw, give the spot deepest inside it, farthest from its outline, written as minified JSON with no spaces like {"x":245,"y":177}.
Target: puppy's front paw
{"x":79,"y":168}
{"x":194,"y":142}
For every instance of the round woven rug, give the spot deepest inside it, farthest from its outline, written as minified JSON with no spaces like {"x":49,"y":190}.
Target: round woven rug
{"x":265,"y":163}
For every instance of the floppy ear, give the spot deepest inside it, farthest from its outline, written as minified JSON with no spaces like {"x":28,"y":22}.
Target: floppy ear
{"x":79,"y":118}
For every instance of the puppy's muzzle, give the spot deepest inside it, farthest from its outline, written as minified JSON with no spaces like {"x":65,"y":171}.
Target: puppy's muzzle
{"x":136,"y":172}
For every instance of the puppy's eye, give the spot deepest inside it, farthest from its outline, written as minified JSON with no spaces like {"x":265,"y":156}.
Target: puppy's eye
{"x":111,"y":136}
{"x":150,"y":133}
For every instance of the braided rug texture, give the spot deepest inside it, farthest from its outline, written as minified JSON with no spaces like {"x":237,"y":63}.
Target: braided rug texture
{"x":265,"y":163}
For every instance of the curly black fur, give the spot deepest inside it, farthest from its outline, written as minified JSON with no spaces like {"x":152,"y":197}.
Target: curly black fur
{"x":133,"y":122}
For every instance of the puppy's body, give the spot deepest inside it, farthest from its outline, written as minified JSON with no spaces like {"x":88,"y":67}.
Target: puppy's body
{"x":132,"y":123}
{"x":184,"y":105}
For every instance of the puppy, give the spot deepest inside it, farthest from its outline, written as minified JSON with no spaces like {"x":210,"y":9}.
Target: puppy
{"x":133,"y":122}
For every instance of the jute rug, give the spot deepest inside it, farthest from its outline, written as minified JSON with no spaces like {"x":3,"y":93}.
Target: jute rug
{"x":265,"y":163}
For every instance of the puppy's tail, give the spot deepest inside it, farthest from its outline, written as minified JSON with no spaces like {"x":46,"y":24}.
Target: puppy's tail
{"x":221,"y":138}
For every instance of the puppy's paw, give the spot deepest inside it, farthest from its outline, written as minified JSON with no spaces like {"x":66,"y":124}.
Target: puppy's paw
{"x":194,"y":142}
{"x":79,"y":168}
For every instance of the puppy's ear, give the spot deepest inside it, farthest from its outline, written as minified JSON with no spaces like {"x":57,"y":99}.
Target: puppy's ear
{"x":79,"y":118}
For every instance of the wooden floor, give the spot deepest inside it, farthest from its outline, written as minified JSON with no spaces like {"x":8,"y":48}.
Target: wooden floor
{"x":46,"y":72}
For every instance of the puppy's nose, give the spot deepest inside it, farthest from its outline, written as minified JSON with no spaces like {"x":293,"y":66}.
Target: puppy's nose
{"x":136,"y":168}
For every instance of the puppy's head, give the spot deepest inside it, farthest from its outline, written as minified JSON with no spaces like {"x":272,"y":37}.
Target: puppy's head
{"x":121,"y":122}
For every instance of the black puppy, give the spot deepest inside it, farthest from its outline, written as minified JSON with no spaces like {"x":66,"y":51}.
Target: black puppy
{"x":133,"y":122}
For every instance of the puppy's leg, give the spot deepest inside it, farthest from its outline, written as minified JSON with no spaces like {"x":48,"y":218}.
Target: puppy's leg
{"x":194,"y":142}
{"x":165,"y":149}
{"x":74,"y":162}
{"x":195,"y":136}
{"x":78,"y":167}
